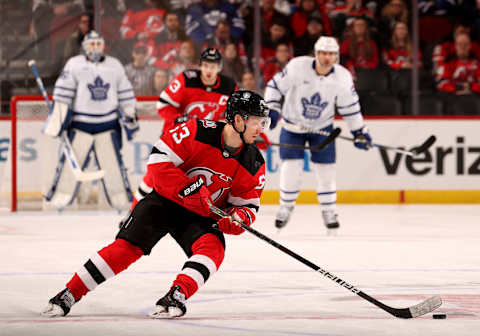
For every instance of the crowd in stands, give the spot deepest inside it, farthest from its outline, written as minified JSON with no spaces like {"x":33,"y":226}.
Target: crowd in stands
{"x":158,"y":39}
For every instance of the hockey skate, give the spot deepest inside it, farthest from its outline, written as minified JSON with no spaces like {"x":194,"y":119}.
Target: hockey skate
{"x":283,"y":216}
{"x":171,"y":305}
{"x":330,"y":221}
{"x":60,"y":304}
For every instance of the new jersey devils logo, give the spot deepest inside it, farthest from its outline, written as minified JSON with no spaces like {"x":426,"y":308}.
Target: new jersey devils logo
{"x":216,"y":182}
{"x":202,"y":110}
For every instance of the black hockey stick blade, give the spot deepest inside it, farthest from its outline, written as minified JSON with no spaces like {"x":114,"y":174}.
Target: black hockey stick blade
{"x":331,"y":137}
{"x":420,"y":309}
{"x":425,"y":146}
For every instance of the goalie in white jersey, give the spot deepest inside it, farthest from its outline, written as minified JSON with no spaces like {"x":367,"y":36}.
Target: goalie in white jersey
{"x":311,"y":89}
{"x":93,"y":98}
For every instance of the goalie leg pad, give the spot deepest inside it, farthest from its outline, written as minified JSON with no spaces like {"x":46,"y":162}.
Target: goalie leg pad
{"x":115,"y":182}
{"x":326,"y":185}
{"x":64,"y":187}
{"x":290,"y":181}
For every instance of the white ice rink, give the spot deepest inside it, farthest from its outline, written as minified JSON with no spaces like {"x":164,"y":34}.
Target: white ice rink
{"x":398,"y":254}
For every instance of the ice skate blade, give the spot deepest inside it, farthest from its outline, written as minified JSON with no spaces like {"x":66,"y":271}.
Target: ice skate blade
{"x":52,"y":310}
{"x":161,"y":313}
{"x":332,"y":232}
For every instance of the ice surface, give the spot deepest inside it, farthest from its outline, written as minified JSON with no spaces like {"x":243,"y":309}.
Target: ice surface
{"x":400,"y":255}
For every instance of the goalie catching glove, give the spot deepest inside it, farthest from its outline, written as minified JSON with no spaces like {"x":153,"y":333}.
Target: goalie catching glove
{"x":232,"y":223}
{"x":362,"y":139}
{"x":196,"y":197}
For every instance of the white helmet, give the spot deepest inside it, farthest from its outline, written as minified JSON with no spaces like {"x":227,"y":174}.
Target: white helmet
{"x":93,"y":44}
{"x":326,"y":43}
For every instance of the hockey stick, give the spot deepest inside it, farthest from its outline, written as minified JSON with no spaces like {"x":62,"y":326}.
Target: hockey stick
{"x":417,"y":310}
{"x":415,"y":151}
{"x":330,"y":137}
{"x":67,"y":146}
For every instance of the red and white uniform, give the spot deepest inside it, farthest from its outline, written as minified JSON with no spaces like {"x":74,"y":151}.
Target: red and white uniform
{"x":446,"y":50}
{"x":457,"y":72}
{"x":187,"y":95}
{"x":148,"y":21}
{"x":397,"y":58}
{"x":233,"y":179}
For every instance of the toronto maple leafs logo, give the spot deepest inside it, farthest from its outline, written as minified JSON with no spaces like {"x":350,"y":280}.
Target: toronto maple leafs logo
{"x":313,"y":109}
{"x":98,"y":89}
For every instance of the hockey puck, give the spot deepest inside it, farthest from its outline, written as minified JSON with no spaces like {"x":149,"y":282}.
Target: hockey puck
{"x":439,"y":316}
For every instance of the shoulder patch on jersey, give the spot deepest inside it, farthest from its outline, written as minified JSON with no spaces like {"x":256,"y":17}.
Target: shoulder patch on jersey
{"x":208,"y":132}
{"x":190,"y":73}
{"x":227,"y":85}
{"x":251,"y":159}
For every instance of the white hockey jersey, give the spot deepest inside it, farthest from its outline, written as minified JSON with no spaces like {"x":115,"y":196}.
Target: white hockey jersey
{"x":94,"y":91}
{"x":309,"y":99}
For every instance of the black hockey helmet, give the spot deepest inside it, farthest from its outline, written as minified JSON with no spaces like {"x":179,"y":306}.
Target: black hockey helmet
{"x":211,"y":55}
{"x":246,"y":103}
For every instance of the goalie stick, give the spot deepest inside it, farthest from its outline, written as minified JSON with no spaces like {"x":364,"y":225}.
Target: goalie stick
{"x":417,"y":310}
{"x":330,"y":137}
{"x":66,"y":145}
{"x":415,"y":151}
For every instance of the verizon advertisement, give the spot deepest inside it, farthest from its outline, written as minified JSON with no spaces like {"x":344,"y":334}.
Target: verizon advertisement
{"x":451,"y":163}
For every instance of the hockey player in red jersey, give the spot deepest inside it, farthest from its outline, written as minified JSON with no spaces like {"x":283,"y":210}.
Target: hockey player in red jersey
{"x":199,"y":94}
{"x":193,"y":165}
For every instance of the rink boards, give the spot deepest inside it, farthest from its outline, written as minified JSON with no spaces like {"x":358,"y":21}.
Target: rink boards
{"x":449,"y":172}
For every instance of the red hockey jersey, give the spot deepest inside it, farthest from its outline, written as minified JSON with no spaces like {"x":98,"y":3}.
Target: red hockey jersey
{"x":148,"y":21}
{"x":456,"y":73}
{"x":187,"y":95}
{"x":196,"y":148}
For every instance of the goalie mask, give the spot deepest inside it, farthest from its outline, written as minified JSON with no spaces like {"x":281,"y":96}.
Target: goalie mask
{"x":246,"y":103}
{"x":93,"y":44}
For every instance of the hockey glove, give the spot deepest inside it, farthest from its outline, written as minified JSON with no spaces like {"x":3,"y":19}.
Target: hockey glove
{"x":362,"y":138}
{"x":196,"y":197}
{"x":181,"y":119}
{"x":263,"y":145}
{"x":274,"y":117}
{"x":231,"y":224}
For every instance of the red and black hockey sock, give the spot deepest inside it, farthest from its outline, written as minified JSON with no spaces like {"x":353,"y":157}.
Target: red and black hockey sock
{"x":208,"y":253}
{"x":103,"y":265}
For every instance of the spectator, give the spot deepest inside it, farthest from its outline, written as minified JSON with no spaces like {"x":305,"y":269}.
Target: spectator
{"x":277,"y":34}
{"x":274,"y":65}
{"x":142,"y":24}
{"x":232,"y":65}
{"x":460,"y":73}
{"x":50,"y":19}
{"x":399,"y":53}
{"x":185,"y":59}
{"x":222,"y":38}
{"x":268,"y":15}
{"x":73,"y":45}
{"x":343,"y":16}
{"x":306,"y":9}
{"x":394,"y":11}
{"x":248,"y":81}
{"x":203,"y":18}
{"x":304,"y":44}
{"x":161,"y":79}
{"x":139,"y":73}
{"x":359,"y":51}
{"x":169,"y":39}
{"x":446,"y":48}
